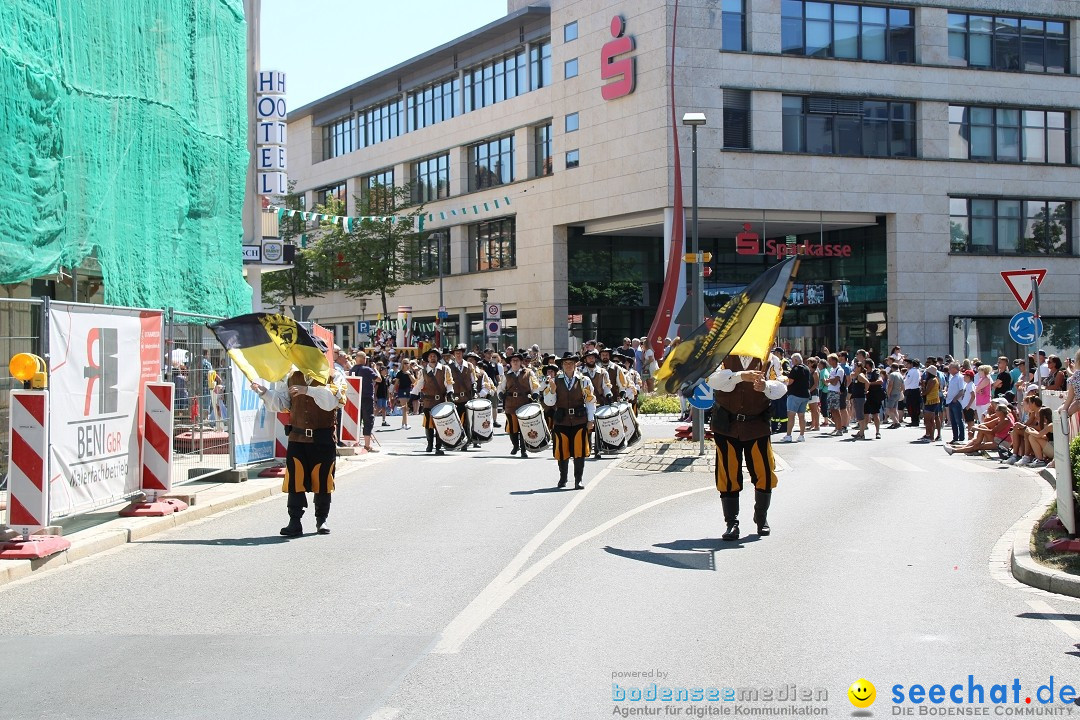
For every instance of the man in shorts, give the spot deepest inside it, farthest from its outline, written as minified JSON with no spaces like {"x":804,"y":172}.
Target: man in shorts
{"x":798,"y":396}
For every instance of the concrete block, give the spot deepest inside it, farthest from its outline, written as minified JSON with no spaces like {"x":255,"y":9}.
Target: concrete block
{"x":150,"y":526}
{"x":12,"y":570}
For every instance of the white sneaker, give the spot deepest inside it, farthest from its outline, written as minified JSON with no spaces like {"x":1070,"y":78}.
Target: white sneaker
{"x":802,"y":438}
{"x":1012,"y":459}
{"x":1026,"y":460}
{"x":1039,"y":464}
{"x":786,"y":439}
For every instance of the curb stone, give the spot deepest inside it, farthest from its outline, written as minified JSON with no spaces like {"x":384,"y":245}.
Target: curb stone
{"x":1025,"y":569}
{"x":122,"y":531}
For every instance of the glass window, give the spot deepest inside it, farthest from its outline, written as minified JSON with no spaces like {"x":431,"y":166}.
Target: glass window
{"x":336,"y":191}
{"x":492,"y":245}
{"x":434,"y":250}
{"x":569,"y":31}
{"x":571,"y":122}
{"x":491,"y":163}
{"x":1010,"y":226}
{"x":570,"y":68}
{"x":379,"y":123}
{"x":1008,"y":43}
{"x":543,"y":151}
{"x":841,"y":126}
{"x":540,"y":64}
{"x":431,"y":104}
{"x":495,"y":80}
{"x":1008,"y":135}
{"x":339,"y":137}
{"x":373,"y":192}
{"x":572,"y":159}
{"x":733,"y":25}
{"x":737,"y":119}
{"x":431,"y":178}
{"x":847,"y":31}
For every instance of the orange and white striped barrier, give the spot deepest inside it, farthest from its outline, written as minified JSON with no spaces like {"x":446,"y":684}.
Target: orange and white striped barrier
{"x":157,"y":447}
{"x":350,"y":416}
{"x":281,"y":445}
{"x":28,"y":478}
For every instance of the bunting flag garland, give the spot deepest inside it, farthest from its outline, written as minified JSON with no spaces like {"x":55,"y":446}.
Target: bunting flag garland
{"x":349,"y":222}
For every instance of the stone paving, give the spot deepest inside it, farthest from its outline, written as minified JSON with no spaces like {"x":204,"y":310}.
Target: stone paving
{"x":670,"y":455}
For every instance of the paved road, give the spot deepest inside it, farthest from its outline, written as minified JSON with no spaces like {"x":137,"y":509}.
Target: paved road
{"x":463,"y":587}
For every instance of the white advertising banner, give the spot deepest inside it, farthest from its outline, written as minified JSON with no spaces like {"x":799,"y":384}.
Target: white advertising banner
{"x":252,"y":425}
{"x":100,"y":359}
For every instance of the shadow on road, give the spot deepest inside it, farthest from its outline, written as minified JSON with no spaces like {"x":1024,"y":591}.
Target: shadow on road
{"x":691,"y":554}
{"x":226,"y":542}
{"x":1049,"y":616}
{"x":538,"y":491}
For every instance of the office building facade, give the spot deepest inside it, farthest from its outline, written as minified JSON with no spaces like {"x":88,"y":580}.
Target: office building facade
{"x":908,"y":151}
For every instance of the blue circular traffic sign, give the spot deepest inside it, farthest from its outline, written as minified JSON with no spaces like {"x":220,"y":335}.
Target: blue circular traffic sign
{"x":1025,"y":328}
{"x":702,"y":398}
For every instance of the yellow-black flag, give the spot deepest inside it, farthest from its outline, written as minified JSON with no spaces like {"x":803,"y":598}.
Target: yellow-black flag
{"x":267,"y":346}
{"x":745,"y":325}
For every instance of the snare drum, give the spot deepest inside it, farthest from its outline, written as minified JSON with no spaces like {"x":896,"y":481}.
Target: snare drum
{"x":609,"y":428}
{"x":478,"y":412}
{"x":629,"y":422}
{"x":448,"y":426}
{"x":534,"y":429}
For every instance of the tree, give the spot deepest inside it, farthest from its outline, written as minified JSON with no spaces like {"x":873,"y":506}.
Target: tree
{"x":305,"y":278}
{"x":377,"y":256}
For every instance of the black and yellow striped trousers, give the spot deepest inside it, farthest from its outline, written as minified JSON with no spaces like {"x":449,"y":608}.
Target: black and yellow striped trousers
{"x":730,"y":454}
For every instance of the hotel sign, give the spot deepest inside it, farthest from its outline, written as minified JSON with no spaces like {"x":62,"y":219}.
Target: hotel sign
{"x":270,"y":126}
{"x":613,"y":67}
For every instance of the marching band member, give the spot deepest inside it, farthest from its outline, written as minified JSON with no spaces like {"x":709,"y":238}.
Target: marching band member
{"x":742,"y":395}
{"x":570,"y":396}
{"x":549,"y":371}
{"x":311,"y":456}
{"x":518,"y":387}
{"x":462,"y":387}
{"x":435,"y":379}
{"x":614,"y":371}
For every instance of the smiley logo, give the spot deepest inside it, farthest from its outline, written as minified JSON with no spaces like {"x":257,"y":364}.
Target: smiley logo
{"x":862,"y":693}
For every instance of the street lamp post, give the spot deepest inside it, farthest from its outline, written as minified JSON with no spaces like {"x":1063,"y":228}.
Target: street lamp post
{"x":697,"y":289}
{"x":483,"y":312}
{"x":837,"y":286}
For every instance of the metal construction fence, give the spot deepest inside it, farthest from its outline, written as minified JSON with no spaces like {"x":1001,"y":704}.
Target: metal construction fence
{"x":191,"y":358}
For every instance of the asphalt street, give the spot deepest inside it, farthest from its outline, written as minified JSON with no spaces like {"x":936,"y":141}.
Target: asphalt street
{"x":466,"y":587}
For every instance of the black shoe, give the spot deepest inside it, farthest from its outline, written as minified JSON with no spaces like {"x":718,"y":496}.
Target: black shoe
{"x":293,"y":529}
{"x":498,"y":425}
{"x":732,"y":532}
{"x":578,"y":485}
{"x":514,"y":450}
{"x":322,"y":528}
{"x":524,"y":454}
{"x":476,"y":445}
{"x":562,"y":483}
{"x":439,"y":452}
{"x":429,"y":449}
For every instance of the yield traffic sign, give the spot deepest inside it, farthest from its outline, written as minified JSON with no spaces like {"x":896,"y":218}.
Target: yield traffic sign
{"x":1024,"y":293}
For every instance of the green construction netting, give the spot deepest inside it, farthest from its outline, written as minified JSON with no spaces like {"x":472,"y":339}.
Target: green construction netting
{"x":123,"y":128}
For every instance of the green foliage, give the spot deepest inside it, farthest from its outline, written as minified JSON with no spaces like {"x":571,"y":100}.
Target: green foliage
{"x":659,"y":404}
{"x":377,"y":257}
{"x":1074,"y":458}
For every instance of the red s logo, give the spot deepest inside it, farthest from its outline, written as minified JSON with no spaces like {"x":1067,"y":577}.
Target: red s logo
{"x":611,"y":68}
{"x":747,"y":243}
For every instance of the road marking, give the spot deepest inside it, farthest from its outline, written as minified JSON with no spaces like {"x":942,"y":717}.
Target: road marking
{"x":897,"y":464}
{"x":831,"y":463}
{"x":968,"y":466}
{"x":384,"y":713}
{"x":503,"y":461}
{"x":1065,"y":626}
{"x":495,"y":595}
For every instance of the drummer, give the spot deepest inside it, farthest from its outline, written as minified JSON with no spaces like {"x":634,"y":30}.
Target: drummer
{"x":432,"y":386}
{"x":462,"y":387}
{"x":633,"y":380}
{"x":615,"y":372}
{"x":483,"y":387}
{"x":519,"y":387}
{"x":570,"y":396}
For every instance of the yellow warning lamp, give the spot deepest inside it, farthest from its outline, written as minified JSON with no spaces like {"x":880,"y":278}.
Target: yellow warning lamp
{"x":29,"y":368}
